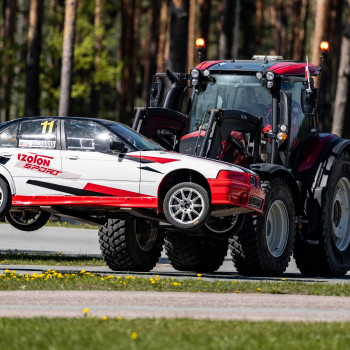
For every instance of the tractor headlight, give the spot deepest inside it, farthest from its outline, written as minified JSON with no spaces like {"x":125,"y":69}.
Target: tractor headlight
{"x":195,"y":73}
{"x":259,"y":75}
{"x":270,"y":76}
{"x":269,"y":84}
{"x":194,"y":82}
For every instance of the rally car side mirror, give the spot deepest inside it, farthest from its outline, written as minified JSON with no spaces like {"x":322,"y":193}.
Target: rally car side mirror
{"x":118,"y":146}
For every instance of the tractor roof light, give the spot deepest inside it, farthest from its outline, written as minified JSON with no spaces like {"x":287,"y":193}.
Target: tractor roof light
{"x":200,"y":43}
{"x":324,"y":46}
{"x":206,"y":73}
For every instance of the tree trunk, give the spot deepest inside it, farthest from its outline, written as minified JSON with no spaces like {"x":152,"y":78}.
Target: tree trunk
{"x":299,"y":29}
{"x":67,"y":57}
{"x":321,"y":29}
{"x":127,"y":45}
{"x":163,"y":53}
{"x":33,"y":58}
{"x":259,"y":22}
{"x":343,"y":92}
{"x":226,"y":34}
{"x":8,"y":29}
{"x":95,"y":91}
{"x":178,"y":36}
{"x":191,"y":48}
{"x":204,"y":19}
{"x":151,"y":48}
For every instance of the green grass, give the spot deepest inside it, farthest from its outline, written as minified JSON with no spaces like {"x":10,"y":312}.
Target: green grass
{"x":13,"y":257}
{"x":92,"y":333}
{"x":52,"y":280}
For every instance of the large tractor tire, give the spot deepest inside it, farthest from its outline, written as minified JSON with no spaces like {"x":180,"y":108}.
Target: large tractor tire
{"x":27,"y":220}
{"x":331,"y":256}
{"x":191,"y":253}
{"x":187,"y":206}
{"x":264,"y":245}
{"x":130,"y":245}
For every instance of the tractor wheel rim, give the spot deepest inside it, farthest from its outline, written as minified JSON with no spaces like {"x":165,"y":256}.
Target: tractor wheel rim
{"x":340,"y":214}
{"x":277,"y":228}
{"x":146,"y":239}
{"x":186,"y":206}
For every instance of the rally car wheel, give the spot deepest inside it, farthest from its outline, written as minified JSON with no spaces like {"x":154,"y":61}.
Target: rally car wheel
{"x":130,"y":245}
{"x":265,"y":243}
{"x":331,"y":256}
{"x":199,"y":254}
{"x":5,"y":198}
{"x":186,"y":206}
{"x":26,"y":220}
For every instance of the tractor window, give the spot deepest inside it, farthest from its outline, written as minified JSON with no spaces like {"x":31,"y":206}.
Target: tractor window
{"x":229,"y":91}
{"x":299,"y":124}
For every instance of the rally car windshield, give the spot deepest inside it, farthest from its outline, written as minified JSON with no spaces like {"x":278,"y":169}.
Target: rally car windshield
{"x":228,"y":91}
{"x":133,"y":138}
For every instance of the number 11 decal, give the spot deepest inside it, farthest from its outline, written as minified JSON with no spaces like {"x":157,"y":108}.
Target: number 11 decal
{"x":45,"y":124}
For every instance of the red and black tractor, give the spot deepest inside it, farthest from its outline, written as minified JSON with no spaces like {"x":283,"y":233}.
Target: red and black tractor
{"x":261,"y":114}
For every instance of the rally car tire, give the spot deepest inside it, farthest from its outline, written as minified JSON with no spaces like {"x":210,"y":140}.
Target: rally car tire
{"x":191,"y":253}
{"x":131,"y":244}
{"x":186,"y":206}
{"x":331,"y":256}
{"x":265,"y":243}
{"x":5,"y":198}
{"x":26,"y":220}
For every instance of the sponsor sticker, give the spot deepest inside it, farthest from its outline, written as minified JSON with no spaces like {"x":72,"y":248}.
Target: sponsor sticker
{"x":37,"y":143}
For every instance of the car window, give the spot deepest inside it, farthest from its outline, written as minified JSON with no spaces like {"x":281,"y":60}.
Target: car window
{"x":87,"y":135}
{"x":38,"y":134}
{"x":8,"y":137}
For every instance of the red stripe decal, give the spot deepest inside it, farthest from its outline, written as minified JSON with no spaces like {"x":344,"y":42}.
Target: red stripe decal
{"x":157,"y":159}
{"x":110,"y":190}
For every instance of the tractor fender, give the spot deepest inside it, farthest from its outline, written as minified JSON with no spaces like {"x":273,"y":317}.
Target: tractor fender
{"x":266,"y":171}
{"x":319,"y":174}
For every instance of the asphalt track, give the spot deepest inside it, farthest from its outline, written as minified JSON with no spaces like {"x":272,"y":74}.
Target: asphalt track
{"x":153,"y":304}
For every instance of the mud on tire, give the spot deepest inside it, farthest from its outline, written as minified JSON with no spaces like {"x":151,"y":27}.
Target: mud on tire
{"x":190,"y":253}
{"x":264,"y":245}
{"x":130,"y":245}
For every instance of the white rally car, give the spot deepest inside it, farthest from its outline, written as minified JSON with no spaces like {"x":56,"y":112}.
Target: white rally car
{"x":104,"y":172}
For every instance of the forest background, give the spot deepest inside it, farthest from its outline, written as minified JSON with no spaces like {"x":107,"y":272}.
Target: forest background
{"x":96,"y":58}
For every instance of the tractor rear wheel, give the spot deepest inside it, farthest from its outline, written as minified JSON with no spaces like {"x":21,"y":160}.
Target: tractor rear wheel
{"x":191,"y":253}
{"x":265,"y":243}
{"x":331,"y":256}
{"x":130,"y":245}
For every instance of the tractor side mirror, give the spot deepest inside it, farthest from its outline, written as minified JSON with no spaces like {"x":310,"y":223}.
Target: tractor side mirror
{"x":118,"y":146}
{"x":286,"y":109}
{"x":157,"y":92}
{"x":308,"y":100}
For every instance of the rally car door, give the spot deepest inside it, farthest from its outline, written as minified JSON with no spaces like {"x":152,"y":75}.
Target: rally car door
{"x":91,"y":166}
{"x":30,"y":151}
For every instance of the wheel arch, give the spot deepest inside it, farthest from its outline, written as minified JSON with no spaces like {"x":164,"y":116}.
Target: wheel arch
{"x":6,"y":176}
{"x":267,"y":171}
{"x":177,"y":176}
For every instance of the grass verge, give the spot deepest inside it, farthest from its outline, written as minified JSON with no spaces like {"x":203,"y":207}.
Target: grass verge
{"x":13,"y":257}
{"x":52,"y":280}
{"x":92,"y":333}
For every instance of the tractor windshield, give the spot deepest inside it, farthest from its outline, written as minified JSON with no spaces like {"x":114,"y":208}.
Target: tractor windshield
{"x":229,"y":91}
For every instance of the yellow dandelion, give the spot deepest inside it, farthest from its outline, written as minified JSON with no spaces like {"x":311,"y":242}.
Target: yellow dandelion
{"x":134,"y":335}
{"x":199,"y":275}
{"x":199,"y":278}
{"x":283,"y":279}
{"x":104,"y":318}
{"x":237,"y":291}
{"x":86,"y":310}
{"x":258,"y":289}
